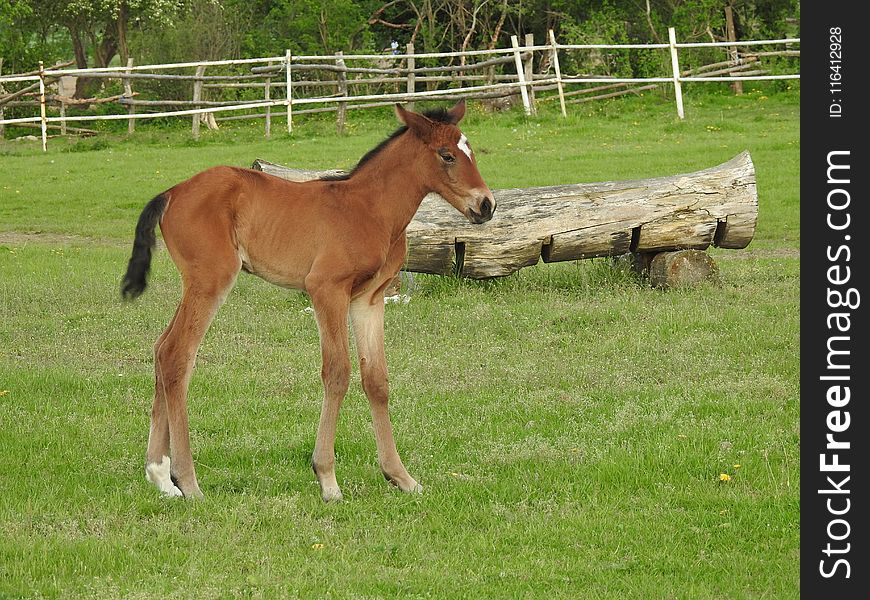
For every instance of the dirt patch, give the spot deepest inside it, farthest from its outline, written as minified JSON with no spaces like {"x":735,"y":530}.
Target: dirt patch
{"x":790,"y":253}
{"x":17,"y":238}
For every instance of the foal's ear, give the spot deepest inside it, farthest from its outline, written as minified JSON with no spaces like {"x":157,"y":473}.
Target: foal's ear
{"x":457,"y":112}
{"x":419,"y":124}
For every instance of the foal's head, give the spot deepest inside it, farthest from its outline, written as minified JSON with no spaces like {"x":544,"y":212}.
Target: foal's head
{"x":449,"y":166}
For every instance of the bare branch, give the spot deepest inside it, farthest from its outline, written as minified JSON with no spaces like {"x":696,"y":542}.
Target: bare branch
{"x":497,"y":31}
{"x":471,"y":30}
{"x":388,"y":24}
{"x":649,"y":22}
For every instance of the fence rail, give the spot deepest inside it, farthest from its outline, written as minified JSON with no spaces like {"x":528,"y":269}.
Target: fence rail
{"x":288,"y":81}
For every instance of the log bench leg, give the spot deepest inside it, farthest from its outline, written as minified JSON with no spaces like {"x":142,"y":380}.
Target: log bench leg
{"x":403,"y":282}
{"x":680,"y":268}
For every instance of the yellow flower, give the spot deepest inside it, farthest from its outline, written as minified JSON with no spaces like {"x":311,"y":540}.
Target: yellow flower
{"x":736,"y":466}
{"x":3,"y":393}
{"x":317,"y":546}
{"x":724,"y":477}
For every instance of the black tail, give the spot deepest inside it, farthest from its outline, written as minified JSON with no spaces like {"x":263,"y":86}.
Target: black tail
{"x":136,"y":279}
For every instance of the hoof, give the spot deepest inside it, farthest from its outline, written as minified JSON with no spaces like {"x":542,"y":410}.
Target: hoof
{"x":406,"y":483}
{"x":416,"y":488}
{"x":194,"y":495}
{"x":159,"y":475}
{"x":331,"y":495}
{"x":172,"y":492}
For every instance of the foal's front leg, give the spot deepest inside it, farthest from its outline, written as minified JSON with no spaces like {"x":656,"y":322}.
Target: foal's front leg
{"x":330,"y":308}
{"x":367,"y":315}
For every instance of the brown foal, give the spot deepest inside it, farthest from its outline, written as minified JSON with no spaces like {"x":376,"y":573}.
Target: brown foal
{"x":340,"y":239}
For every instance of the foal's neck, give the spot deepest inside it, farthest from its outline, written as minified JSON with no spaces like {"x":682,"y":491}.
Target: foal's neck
{"x":394,"y":181}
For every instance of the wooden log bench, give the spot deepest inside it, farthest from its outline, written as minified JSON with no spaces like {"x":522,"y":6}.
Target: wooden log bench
{"x":717,"y":206}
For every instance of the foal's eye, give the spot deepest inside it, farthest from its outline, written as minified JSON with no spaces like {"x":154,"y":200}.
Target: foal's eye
{"x":447,"y":157}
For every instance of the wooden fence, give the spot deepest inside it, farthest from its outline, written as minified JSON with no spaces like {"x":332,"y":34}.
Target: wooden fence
{"x":285,"y":86}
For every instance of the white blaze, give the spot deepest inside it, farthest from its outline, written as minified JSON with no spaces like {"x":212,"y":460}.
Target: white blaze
{"x":462,"y":144}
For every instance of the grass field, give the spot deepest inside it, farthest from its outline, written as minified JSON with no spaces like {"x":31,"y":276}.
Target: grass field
{"x":570,"y":425}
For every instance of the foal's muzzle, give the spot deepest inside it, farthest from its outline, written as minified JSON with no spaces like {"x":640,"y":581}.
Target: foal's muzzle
{"x":484,"y":211}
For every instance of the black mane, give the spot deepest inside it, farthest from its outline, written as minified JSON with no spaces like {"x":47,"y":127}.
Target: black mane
{"x":439,"y":115}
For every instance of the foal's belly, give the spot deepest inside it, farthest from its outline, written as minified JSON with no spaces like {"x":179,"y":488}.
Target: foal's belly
{"x":284,"y":269}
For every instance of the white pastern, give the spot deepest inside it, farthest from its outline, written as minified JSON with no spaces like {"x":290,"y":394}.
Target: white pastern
{"x":158,"y":474}
{"x":462,"y":144}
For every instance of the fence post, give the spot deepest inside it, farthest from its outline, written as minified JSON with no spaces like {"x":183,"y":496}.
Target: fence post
{"x":62,"y":116}
{"x":2,"y":110}
{"x":675,"y":65}
{"x":197,"y":96}
{"x":411,"y":64}
{"x":128,"y":92}
{"x":267,"y":97}
{"x":62,"y":111}
{"x":529,"y":68}
{"x":558,"y":73}
{"x":42,"y":121}
{"x":342,"y":89}
{"x":521,"y":77}
{"x":287,"y":61}
{"x":731,"y":34}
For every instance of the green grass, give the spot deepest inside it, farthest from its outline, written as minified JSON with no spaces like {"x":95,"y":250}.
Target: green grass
{"x":568,"y":423}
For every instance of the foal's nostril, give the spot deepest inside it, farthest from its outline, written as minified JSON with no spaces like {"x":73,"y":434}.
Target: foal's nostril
{"x":486,"y":208}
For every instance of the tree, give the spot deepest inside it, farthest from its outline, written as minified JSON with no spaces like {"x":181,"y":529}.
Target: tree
{"x":307,"y":26}
{"x":97,"y":29}
{"x":14,"y":46}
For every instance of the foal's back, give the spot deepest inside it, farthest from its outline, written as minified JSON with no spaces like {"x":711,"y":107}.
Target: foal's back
{"x":271,"y":227}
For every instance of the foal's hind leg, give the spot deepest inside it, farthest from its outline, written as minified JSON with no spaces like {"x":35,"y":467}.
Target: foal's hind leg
{"x":368,"y":330}
{"x":174,"y":361}
{"x":157,"y":467}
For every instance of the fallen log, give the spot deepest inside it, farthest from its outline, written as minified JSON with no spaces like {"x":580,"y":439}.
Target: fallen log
{"x":73,"y":130}
{"x":716,"y":206}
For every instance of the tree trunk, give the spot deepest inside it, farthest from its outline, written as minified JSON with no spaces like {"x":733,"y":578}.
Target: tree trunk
{"x":83,"y":86}
{"x":731,"y":34}
{"x":123,"y":50}
{"x":108,"y":46}
{"x":716,"y":206}
{"x":79,"y":51}
{"x":105,"y":51}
